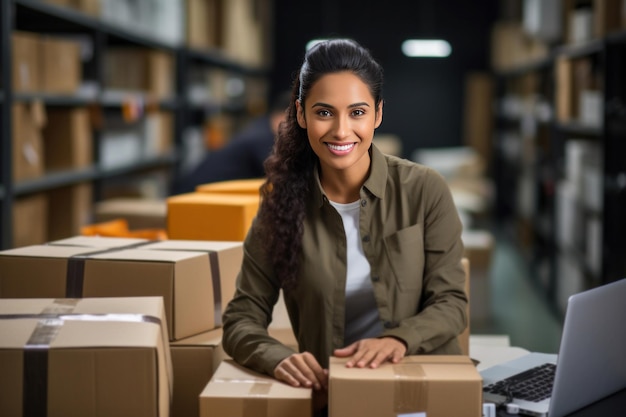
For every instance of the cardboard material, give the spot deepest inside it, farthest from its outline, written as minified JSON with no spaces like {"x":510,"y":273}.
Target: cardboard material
{"x":28,"y":147}
{"x":210,"y":216}
{"x":98,"y":242}
{"x":30,"y":220}
{"x":224,"y":259}
{"x":62,"y":69}
{"x":235,"y":391}
{"x":25,"y":61}
{"x":249,"y":186}
{"x":69,"y":139}
{"x":106,"y":356}
{"x":140,"y":213}
{"x":437,"y":386}
{"x":194,"y":362}
{"x":69,"y":210}
{"x":71,"y":271}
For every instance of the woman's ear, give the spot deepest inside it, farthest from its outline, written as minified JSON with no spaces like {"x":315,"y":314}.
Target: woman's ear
{"x":379,"y":115}
{"x":300,"y":114}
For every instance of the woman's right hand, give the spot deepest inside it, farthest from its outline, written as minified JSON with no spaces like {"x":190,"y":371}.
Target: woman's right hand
{"x":302,"y":370}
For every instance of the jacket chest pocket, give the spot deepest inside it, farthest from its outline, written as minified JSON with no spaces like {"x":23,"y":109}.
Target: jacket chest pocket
{"x":405,"y":253}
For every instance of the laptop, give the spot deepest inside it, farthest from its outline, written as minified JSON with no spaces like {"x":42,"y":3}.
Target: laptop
{"x":590,"y":365}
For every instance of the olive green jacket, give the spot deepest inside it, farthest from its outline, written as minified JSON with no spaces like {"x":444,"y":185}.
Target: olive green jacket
{"x":411,"y":236}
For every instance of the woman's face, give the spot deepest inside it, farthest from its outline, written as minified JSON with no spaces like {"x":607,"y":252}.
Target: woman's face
{"x":340,"y":117}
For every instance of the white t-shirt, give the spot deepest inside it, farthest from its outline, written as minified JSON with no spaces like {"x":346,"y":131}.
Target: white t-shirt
{"x":362,"y":318}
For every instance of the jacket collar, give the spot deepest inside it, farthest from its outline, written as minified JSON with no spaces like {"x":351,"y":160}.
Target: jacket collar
{"x":375,"y":182}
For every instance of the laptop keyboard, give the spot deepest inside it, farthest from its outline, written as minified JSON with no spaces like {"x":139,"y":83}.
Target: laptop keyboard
{"x":533,"y":385}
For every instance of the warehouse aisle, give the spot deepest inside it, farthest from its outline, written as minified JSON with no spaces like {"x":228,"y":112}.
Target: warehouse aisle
{"x":518,"y":310}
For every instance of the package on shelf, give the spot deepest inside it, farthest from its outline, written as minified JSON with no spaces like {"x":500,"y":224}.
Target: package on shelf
{"x":210,"y":216}
{"x":234,"y":391}
{"x":30,"y":220}
{"x":511,"y":46}
{"x":595,"y":19}
{"x":246,"y":30}
{"x":591,"y":108}
{"x":422,"y":384}
{"x":159,"y":133}
{"x":90,"y":7}
{"x":194,"y":361}
{"x":104,"y":356}
{"x":68,"y":133}
{"x":121,"y":143}
{"x":182,"y":279}
{"x":136,"y":69}
{"x":28,"y":119}
{"x":61,"y":67}
{"x":140,"y":213}
{"x":25,"y":62}
{"x":203,"y":23}
{"x":69,"y":209}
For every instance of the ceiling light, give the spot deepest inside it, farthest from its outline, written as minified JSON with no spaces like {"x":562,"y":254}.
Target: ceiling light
{"x":421,"y":48}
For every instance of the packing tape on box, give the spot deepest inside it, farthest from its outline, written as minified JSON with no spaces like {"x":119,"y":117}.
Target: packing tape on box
{"x":50,"y":322}
{"x":75,"y":275}
{"x":410,"y":389}
{"x":255,"y":404}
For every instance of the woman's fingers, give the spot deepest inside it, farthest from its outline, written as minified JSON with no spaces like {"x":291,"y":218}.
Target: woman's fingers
{"x":301,"y":370}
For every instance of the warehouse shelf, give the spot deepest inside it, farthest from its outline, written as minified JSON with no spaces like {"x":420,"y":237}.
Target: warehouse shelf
{"x":100,"y":36}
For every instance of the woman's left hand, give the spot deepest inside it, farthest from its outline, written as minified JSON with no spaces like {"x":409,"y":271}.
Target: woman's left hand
{"x":372,"y":352}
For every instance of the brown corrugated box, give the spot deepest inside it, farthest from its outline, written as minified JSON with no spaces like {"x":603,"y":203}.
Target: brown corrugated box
{"x":235,"y":391}
{"x":70,"y":208}
{"x":194,"y":362}
{"x":437,"y":386}
{"x":64,"y":357}
{"x":68,"y":136}
{"x":247,"y":186}
{"x":25,"y":61}
{"x":225,"y":260}
{"x":183,"y":279}
{"x":204,"y":23}
{"x":30,"y":220}
{"x":61,"y":64}
{"x":28,"y":147}
{"x":140,"y":213}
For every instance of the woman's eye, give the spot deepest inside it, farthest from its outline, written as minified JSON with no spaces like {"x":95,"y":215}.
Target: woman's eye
{"x":323,"y":113}
{"x":358,"y":112}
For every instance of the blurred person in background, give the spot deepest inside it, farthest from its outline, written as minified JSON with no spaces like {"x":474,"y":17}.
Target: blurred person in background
{"x":243,"y":155}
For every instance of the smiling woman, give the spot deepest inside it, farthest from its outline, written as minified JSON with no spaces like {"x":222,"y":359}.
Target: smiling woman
{"x":365,"y":246}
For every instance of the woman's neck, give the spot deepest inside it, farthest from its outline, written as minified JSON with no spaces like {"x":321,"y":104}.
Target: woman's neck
{"x":341,"y":187}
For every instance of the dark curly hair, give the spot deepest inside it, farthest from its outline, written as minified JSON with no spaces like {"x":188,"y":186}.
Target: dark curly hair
{"x":290,"y":167}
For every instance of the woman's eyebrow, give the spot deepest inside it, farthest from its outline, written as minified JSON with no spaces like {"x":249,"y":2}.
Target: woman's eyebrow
{"x":320,"y":104}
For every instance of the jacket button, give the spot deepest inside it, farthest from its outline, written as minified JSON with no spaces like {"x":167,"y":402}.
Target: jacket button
{"x":363,"y":203}
{"x":375,"y":278}
{"x":366,"y":238}
{"x":390,"y":324}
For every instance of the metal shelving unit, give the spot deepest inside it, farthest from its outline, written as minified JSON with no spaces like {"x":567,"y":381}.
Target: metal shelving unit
{"x":42,"y":17}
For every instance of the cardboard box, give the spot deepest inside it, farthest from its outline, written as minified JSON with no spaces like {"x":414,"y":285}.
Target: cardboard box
{"x":210,"y":216}
{"x":437,"y":386}
{"x":61,"y":64}
{"x":25,"y":62}
{"x":28,"y":146}
{"x":194,"y":362}
{"x":139,"y":69}
{"x":248,"y":186}
{"x":30,"y":220}
{"x":69,"y":138}
{"x":69,"y":357}
{"x":70,"y":208}
{"x":235,"y":391}
{"x":52,"y":271}
{"x":99,"y":242}
{"x":140,"y":213}
{"x":224,"y":259}
{"x":204,"y":23}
